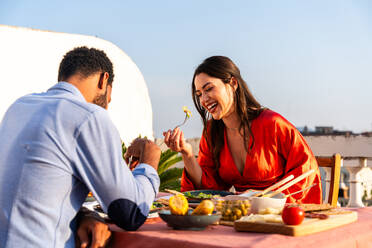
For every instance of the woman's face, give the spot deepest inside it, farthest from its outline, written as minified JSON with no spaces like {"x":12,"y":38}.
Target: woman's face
{"x":214,"y":95}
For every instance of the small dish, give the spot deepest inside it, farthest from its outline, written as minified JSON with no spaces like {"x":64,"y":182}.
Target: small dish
{"x":259,"y":204}
{"x":188,"y":222}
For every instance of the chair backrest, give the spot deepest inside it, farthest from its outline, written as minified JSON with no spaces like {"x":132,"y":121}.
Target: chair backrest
{"x":334,"y":164}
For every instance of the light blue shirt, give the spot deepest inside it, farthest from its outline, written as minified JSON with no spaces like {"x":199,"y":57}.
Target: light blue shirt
{"x":55,"y":148}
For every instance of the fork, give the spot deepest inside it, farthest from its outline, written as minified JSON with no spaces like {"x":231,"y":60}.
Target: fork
{"x":130,"y":160}
{"x":184,"y":121}
{"x":188,"y":115}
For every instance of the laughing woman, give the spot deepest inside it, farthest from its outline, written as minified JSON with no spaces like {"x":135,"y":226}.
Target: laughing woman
{"x":243,"y":144}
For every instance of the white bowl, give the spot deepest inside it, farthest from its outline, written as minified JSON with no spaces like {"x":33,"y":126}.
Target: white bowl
{"x":262,"y":204}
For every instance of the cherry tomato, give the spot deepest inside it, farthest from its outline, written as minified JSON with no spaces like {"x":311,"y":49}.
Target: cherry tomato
{"x":293,"y":215}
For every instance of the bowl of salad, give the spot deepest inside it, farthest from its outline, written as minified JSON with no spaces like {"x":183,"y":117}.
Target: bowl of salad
{"x":196,"y":196}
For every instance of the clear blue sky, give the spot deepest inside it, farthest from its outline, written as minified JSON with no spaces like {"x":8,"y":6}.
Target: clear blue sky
{"x":311,"y":61}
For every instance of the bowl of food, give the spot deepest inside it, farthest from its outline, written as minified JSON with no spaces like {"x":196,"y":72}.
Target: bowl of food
{"x":232,"y":210}
{"x":188,"y":222}
{"x":268,"y":205}
{"x":180,"y":216}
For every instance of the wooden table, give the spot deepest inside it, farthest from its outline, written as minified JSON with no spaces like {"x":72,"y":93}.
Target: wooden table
{"x":155,"y":233}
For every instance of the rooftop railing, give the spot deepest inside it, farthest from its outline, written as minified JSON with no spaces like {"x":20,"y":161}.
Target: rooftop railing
{"x":354,"y":165}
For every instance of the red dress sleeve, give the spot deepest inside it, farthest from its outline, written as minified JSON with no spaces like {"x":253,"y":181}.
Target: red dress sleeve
{"x":210,"y":178}
{"x":299,"y":158}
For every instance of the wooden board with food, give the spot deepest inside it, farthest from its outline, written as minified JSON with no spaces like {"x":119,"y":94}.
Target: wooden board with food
{"x":313,"y":222}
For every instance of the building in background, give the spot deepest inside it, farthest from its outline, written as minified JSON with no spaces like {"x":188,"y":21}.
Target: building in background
{"x":323,"y":130}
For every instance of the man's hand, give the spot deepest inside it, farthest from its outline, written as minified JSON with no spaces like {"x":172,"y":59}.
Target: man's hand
{"x":144,"y":151}
{"x":92,"y":233}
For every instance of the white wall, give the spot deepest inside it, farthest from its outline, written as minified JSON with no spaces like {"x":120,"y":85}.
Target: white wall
{"x":347,"y":146}
{"x":29,"y":61}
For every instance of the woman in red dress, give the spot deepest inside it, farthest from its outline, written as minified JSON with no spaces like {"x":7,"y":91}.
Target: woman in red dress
{"x":243,"y":144}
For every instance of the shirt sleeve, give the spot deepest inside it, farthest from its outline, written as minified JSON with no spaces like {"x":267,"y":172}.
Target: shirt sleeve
{"x":126,"y":196}
{"x":299,"y":159}
{"x":210,"y":177}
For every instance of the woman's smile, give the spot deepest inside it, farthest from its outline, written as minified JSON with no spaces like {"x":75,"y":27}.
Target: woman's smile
{"x":211,"y":107}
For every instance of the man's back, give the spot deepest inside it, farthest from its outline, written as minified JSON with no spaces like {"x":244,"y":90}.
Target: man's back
{"x":40,"y":191}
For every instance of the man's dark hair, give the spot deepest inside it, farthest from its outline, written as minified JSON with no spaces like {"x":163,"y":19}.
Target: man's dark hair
{"x":85,"y":61}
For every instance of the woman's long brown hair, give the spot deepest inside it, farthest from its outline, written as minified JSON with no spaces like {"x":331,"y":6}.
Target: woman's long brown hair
{"x":246,"y":105}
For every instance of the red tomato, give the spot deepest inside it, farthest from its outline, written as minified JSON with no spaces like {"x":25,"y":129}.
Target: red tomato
{"x":293,"y":215}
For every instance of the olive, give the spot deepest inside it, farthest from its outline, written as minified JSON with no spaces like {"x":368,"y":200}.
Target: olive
{"x":228,"y":211}
{"x":237,"y":213}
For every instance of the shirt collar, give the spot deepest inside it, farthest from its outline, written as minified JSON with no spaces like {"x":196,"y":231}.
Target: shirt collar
{"x":69,"y":88}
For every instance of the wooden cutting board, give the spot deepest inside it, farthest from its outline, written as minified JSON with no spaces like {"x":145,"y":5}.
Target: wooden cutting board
{"x":226,"y":223}
{"x":308,"y":226}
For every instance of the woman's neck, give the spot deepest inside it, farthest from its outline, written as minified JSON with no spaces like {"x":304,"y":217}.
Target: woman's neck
{"x":232,"y":121}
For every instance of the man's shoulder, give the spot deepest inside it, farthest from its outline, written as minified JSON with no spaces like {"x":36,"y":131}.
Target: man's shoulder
{"x":89,"y":108}
{"x":84,"y":113}
{"x":73,"y":106}
{"x":65,"y":108}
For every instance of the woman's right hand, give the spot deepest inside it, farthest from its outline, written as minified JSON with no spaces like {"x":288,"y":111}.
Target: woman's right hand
{"x":175,"y":141}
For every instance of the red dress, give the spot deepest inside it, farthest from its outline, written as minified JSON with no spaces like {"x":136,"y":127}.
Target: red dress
{"x":279,"y":150}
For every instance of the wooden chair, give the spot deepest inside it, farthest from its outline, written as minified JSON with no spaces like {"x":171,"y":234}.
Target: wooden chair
{"x":332,"y":164}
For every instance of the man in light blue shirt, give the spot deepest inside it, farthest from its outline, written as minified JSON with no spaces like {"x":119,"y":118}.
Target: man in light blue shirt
{"x":57,"y":146}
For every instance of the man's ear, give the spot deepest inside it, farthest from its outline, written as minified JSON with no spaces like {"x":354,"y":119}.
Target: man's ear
{"x":103,"y":80}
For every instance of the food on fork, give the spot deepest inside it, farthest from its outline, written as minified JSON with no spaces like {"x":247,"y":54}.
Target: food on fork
{"x":187,"y":111}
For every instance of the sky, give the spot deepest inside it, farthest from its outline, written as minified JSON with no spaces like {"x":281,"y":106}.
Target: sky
{"x":310,"y":61}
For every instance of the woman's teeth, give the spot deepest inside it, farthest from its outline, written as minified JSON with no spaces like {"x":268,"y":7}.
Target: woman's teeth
{"x":211,"y":107}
